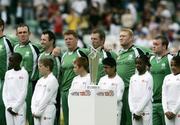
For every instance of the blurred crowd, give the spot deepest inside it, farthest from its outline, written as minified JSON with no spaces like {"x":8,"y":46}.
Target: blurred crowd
{"x":147,"y":18}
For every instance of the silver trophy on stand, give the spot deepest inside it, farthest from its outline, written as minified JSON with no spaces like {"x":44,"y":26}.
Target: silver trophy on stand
{"x":89,"y":101}
{"x":93,"y":58}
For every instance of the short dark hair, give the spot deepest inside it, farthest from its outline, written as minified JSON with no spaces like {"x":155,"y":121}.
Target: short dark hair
{"x":23,"y":25}
{"x":2,"y":23}
{"x":109,"y":61}
{"x":17,"y":57}
{"x":145,"y":58}
{"x":71,"y":32}
{"x":51,"y":36}
{"x":82,"y":61}
{"x":163,"y":39}
{"x":47,"y":62}
{"x":101,"y":33}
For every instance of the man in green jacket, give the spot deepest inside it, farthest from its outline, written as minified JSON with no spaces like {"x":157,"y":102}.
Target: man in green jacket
{"x":160,"y":67}
{"x":126,"y":68}
{"x":6,"y":49}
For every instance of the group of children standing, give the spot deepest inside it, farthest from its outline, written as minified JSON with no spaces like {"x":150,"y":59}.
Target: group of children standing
{"x":15,"y":92}
{"x":140,"y":89}
{"x":44,"y":96}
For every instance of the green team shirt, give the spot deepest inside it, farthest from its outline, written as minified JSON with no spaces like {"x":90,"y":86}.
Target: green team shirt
{"x":6,"y":48}
{"x":4,"y":56}
{"x":13,"y":39}
{"x":103,"y":54}
{"x":29,"y":59}
{"x":126,"y":64}
{"x":5,"y":53}
{"x":160,"y":67}
{"x":144,"y":49}
{"x":56,"y":60}
{"x":67,"y":73}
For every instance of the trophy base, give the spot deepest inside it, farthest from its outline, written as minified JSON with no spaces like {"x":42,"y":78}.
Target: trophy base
{"x":94,"y":107}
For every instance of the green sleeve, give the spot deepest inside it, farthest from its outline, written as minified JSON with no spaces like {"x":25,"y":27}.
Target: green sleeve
{"x":145,"y":49}
{"x":38,"y":45}
{"x":13,"y":39}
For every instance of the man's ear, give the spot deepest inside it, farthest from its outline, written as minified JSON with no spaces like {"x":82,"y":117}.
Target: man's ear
{"x":164,"y":47}
{"x":2,"y":28}
{"x":103,"y":40}
{"x":132,"y":38}
{"x":29,"y":33}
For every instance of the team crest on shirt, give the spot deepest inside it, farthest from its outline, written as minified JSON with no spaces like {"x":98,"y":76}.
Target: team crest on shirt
{"x":27,"y":53}
{"x":1,"y":47}
{"x":163,"y":66}
{"x":100,"y":60}
{"x":130,"y":57}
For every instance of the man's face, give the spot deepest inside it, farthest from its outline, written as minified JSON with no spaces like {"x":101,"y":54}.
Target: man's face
{"x":45,"y":43}
{"x":23,"y":34}
{"x":71,"y":42}
{"x":157,"y":46}
{"x":96,"y":41}
{"x":125,"y":39}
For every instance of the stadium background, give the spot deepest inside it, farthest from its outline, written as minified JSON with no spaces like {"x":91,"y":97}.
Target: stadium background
{"x":146,"y":18}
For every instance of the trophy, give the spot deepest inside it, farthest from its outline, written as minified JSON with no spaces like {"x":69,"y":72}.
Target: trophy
{"x":93,"y":58}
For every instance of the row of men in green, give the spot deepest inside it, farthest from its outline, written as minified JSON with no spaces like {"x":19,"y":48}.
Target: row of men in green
{"x":64,"y":70}
{"x":160,"y":67}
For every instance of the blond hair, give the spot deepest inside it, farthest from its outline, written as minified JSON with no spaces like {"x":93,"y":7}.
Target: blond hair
{"x":130,"y":32}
